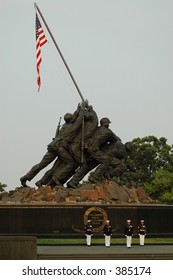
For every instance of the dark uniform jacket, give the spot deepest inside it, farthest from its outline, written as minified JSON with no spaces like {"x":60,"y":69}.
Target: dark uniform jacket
{"x":128,"y":230}
{"x":142,"y":229}
{"x":115,"y":149}
{"x":88,"y":229}
{"x":86,"y":131}
{"x":67,"y":133}
{"x":107,"y":230}
{"x":101,"y":136}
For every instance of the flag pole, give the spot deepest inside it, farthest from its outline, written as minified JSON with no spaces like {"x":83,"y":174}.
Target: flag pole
{"x":59,"y":51}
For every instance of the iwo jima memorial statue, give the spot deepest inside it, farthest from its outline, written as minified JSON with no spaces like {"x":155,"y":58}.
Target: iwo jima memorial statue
{"x":61,"y":203}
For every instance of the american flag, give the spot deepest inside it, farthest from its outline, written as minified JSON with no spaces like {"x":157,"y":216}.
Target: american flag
{"x":40,"y":41}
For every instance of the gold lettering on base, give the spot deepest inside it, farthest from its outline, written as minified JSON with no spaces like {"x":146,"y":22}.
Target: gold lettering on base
{"x":98,"y":217}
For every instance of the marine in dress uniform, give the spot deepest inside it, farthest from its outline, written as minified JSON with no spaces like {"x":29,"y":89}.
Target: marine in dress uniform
{"x":88,"y":232}
{"x":107,"y":233}
{"x":142,"y":230}
{"x":128,"y":231}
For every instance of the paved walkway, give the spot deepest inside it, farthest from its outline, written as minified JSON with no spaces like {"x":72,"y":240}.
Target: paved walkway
{"x":102,"y":252}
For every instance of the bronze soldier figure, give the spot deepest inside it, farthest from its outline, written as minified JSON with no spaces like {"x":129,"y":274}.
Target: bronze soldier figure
{"x":61,"y":171}
{"x":117,"y":152}
{"x":102,"y":136}
{"x":94,"y":153}
{"x":58,"y":147}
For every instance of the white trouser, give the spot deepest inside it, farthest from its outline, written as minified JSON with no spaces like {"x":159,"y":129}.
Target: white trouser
{"x":107,"y":240}
{"x":141,"y":239}
{"x":128,"y":241}
{"x":88,"y":239}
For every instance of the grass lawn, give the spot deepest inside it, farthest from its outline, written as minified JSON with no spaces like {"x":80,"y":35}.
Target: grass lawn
{"x":117,"y":241}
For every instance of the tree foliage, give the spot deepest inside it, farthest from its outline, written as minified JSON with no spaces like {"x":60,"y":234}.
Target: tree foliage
{"x":2,"y":187}
{"x":151,"y":165}
{"x":161,"y":187}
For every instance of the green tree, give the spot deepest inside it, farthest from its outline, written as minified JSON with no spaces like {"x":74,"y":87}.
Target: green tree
{"x":167,"y":198}
{"x":161,"y":186}
{"x":149,"y":156}
{"x":2,"y":186}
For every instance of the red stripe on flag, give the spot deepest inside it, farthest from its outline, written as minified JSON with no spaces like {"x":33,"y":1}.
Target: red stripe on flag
{"x":40,"y":41}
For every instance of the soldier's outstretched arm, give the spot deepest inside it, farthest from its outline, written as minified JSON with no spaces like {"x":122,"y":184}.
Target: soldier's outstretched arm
{"x":78,"y":122}
{"x":76,"y":113}
{"x":115,"y":137}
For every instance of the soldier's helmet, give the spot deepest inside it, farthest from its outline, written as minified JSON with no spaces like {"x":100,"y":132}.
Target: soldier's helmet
{"x":105,"y":121}
{"x":129,"y":146}
{"x":68,"y":117}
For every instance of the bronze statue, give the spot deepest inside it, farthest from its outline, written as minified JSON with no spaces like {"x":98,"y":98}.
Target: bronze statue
{"x":61,"y":171}
{"x":59,"y":146}
{"x":79,"y":147}
{"x":93,"y":149}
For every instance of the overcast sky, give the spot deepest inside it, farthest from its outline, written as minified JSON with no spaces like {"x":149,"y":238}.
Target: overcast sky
{"x":120,"y":53}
